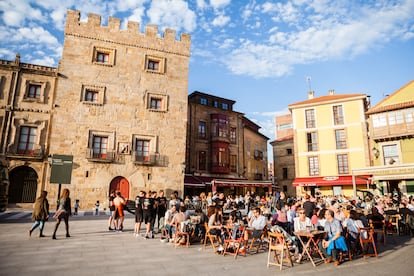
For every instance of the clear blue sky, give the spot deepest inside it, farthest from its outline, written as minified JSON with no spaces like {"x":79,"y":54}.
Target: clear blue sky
{"x":258,"y":53}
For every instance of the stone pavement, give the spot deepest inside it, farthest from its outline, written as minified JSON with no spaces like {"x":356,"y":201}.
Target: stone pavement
{"x":93,"y":250}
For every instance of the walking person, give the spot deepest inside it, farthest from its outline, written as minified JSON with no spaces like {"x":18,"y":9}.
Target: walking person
{"x":40,"y":214}
{"x":111,"y":211}
{"x":63,"y":212}
{"x":161,"y":209}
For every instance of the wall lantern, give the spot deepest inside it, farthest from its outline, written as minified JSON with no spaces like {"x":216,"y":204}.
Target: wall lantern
{"x":376,"y":152}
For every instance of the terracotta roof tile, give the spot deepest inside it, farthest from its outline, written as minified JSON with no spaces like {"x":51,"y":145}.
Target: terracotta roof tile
{"x":327,"y":98}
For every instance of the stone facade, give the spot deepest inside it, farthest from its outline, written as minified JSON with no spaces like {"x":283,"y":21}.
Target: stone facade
{"x":121,"y":108}
{"x":26,"y":100}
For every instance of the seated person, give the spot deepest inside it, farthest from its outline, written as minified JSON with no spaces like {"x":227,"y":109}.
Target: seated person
{"x":301,"y":223}
{"x":215,"y":226}
{"x":177,"y":221}
{"x":200,"y":229}
{"x":280,"y":217}
{"x":334,"y":241}
{"x":256,"y":224}
{"x":168,"y":220}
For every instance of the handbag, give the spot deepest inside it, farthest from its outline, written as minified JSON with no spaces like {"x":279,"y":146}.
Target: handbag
{"x":61,"y":213}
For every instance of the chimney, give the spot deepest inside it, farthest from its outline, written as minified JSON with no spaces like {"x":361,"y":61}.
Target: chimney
{"x":331,"y":92}
{"x":311,"y":94}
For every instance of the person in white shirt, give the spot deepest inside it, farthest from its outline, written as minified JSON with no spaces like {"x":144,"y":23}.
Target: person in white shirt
{"x":255,"y":227}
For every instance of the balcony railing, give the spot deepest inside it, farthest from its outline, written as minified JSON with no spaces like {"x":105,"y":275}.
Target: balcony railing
{"x":150,"y":160}
{"x":26,"y":154}
{"x":108,"y":157}
{"x":220,"y":167}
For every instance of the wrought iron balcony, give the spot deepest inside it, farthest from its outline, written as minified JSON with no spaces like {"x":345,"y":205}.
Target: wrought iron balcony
{"x":258,"y":155}
{"x":258,"y":176}
{"x":108,"y":157}
{"x":36,"y":154}
{"x":150,"y":160}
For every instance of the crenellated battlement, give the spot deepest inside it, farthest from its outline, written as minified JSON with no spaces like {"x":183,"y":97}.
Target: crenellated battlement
{"x":130,"y":36}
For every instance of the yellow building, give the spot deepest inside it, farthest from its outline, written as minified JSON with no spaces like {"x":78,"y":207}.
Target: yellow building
{"x":330,"y":138}
{"x":391,"y":124}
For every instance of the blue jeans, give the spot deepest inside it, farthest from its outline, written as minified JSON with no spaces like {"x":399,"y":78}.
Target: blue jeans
{"x":37,"y":223}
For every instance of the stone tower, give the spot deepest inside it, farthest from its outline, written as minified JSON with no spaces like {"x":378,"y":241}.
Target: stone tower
{"x":121,"y":108}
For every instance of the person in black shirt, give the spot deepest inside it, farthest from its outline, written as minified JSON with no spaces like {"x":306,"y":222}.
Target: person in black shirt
{"x":147,"y":211}
{"x":220,"y":201}
{"x":139,"y":200}
{"x":308,"y":206}
{"x":161,"y":209}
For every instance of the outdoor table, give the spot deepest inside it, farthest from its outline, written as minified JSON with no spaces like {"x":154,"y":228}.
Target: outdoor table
{"x":313,"y":238}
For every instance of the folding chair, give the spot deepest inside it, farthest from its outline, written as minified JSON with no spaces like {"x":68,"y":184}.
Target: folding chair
{"x":366,"y":238}
{"x":260,"y":240}
{"x":210,"y":237}
{"x":280,"y":249}
{"x":236,"y":244}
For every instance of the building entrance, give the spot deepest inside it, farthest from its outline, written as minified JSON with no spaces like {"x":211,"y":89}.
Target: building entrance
{"x":121,"y":184}
{"x":23,"y":185}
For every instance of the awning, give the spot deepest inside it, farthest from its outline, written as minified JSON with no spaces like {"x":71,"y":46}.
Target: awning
{"x":330,"y":181}
{"x":240,"y":183}
{"x":192,"y":181}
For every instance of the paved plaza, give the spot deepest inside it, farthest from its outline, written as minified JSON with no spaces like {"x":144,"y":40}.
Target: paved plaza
{"x":93,"y":250}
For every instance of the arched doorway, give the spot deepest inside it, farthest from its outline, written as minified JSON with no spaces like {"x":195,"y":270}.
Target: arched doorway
{"x":23,"y":185}
{"x":121,"y":184}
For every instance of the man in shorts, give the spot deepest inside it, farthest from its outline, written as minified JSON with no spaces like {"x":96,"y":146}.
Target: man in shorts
{"x":111,"y":210}
{"x":139,"y":200}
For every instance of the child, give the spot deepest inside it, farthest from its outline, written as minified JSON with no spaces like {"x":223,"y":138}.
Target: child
{"x":97,"y":208}
{"x":76,"y":207}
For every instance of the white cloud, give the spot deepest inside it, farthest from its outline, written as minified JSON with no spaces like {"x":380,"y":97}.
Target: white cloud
{"x":217,"y":4}
{"x":220,"y":21}
{"x":174,"y":14}
{"x":16,"y":13}
{"x":227,"y":43}
{"x":36,"y":35}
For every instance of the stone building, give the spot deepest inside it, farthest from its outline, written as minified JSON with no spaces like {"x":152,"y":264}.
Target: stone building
{"x":283,"y":154}
{"x":26,"y":102}
{"x":121,"y":108}
{"x":225,"y":150}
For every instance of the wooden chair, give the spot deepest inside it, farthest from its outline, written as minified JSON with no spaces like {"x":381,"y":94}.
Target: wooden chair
{"x":353,"y":246}
{"x":379,"y":227}
{"x":236,"y":244}
{"x":393,"y":224}
{"x":280,"y":249}
{"x":260,"y":240}
{"x":366,"y":238}
{"x":181,"y":233}
{"x":210,"y":237}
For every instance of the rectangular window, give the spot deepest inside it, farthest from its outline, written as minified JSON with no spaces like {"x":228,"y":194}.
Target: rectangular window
{"x":155,"y":103}
{"x":310,"y":118}
{"x":202,"y":160}
{"x":248,"y":146}
{"x":91,"y":96}
{"x":27,"y":139}
{"x":313,"y":165}
{"x":100,"y":146}
{"x":153,"y":65}
{"x":409,"y":115}
{"x":215,"y":103}
{"x":102,"y":57}
{"x":34,"y":91}
{"x":342,"y":160}
{"x":340,"y":139}
{"x":312,"y":141}
{"x":379,"y":120}
{"x":289,"y":151}
{"x":285,"y":173}
{"x":142,"y":150}
{"x":395,"y":117}
{"x":233,"y":135}
{"x":224,"y":106}
{"x":202,"y":130}
{"x":390,"y":153}
{"x":203,"y":101}
{"x":338,"y":115}
{"x":233,"y":163}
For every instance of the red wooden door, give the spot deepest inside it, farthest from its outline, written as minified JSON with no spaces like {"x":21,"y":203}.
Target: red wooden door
{"x":120,"y":184}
